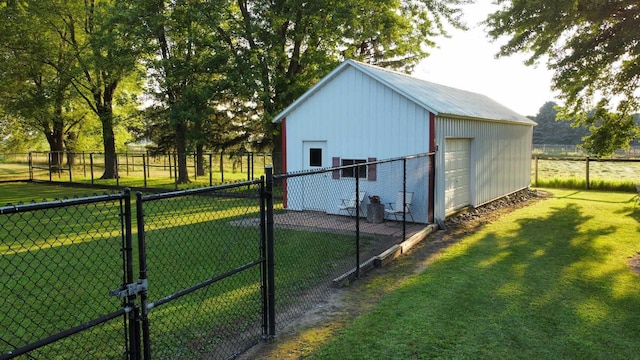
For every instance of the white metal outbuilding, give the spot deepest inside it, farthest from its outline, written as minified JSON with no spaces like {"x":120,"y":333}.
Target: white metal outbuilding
{"x":359,"y":111}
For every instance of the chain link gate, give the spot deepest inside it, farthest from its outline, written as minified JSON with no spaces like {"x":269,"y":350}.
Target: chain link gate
{"x":56,"y":273}
{"x":203,"y":250}
{"x":203,"y":253}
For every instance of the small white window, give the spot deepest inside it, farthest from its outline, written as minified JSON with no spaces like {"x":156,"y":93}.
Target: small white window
{"x":315,"y":157}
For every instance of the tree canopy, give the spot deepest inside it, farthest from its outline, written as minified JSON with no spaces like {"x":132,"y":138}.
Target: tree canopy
{"x":550,"y":130}
{"x":216,"y":70}
{"x":248,"y":59}
{"x":290,"y":44}
{"x":593,"y":48}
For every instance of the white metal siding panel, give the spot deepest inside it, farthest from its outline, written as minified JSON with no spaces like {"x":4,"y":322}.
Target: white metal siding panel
{"x":359,"y":118}
{"x":500,"y":162}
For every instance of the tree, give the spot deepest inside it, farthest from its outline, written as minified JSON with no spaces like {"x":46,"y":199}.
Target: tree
{"x":592,"y":46}
{"x":37,"y":70}
{"x":189,"y":67}
{"x":222,"y":69}
{"x":100,"y":34}
{"x":51,"y":48}
{"x":18,"y":136}
{"x":552,"y":130}
{"x":288,"y":45}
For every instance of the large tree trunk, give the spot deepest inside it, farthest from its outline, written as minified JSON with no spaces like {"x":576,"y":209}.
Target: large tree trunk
{"x":55,"y":138}
{"x":181,"y":147}
{"x":200,"y":160}
{"x":104,"y":100}
{"x":70,"y":144}
{"x":108,"y":141}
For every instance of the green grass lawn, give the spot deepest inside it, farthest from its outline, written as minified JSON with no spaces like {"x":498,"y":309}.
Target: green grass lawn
{"x":14,"y":193}
{"x":58,"y":266}
{"x":548,"y":281}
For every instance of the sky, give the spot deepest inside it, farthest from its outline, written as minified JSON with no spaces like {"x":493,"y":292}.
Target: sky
{"x":467,"y":61}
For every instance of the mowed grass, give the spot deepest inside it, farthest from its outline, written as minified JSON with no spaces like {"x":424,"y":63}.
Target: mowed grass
{"x":58,"y":266}
{"x":603,"y":175}
{"x":16,"y":193}
{"x":548,"y":281}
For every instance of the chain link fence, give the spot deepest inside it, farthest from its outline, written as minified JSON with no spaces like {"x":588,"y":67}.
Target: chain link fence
{"x":135,"y":169}
{"x":330,"y":224}
{"x":214,"y":271}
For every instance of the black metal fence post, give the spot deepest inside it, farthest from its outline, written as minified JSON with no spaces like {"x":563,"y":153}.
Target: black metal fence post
{"x":148,"y":168}
{"x":30,"y":167}
{"x":587,"y":173}
{"x":221,"y":167}
{"x":195,"y":166}
{"x":404,"y":199}
{"x":248,"y":166}
{"x":252,"y":165}
{"x":263,"y":254}
{"x":91,"y":166}
{"x":142,"y":260}
{"x":210,"y":169}
{"x":357,"y":197}
{"x":144,"y":170}
{"x":69,"y":164}
{"x":50,"y":170}
{"x":432,"y":188}
{"x":117,"y":172}
{"x":175,"y":170}
{"x":268,"y":170}
{"x":134,"y":326}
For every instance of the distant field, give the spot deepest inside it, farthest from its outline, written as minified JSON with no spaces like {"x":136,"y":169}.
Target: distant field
{"x":614,"y":172}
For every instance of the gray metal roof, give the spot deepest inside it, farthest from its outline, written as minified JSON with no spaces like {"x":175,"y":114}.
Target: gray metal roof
{"x":438,"y":99}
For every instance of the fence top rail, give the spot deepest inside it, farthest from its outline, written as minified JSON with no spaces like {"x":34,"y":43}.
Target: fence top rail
{"x":583,"y":158}
{"x":177,"y":193}
{"x":337,"y":168}
{"x":58,"y":203}
{"x":142,"y":152}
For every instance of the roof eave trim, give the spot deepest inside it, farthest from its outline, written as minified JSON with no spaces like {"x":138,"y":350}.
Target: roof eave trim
{"x":466,"y":117}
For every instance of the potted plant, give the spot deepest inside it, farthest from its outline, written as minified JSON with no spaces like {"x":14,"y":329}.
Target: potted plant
{"x":375,"y":210}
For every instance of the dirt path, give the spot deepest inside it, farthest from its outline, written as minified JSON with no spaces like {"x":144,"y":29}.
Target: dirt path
{"x":325,"y":320}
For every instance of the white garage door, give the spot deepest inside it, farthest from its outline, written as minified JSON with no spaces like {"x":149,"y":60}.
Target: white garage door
{"x":457,"y":177}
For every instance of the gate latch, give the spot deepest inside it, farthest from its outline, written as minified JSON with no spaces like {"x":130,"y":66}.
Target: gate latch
{"x":130,"y":289}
